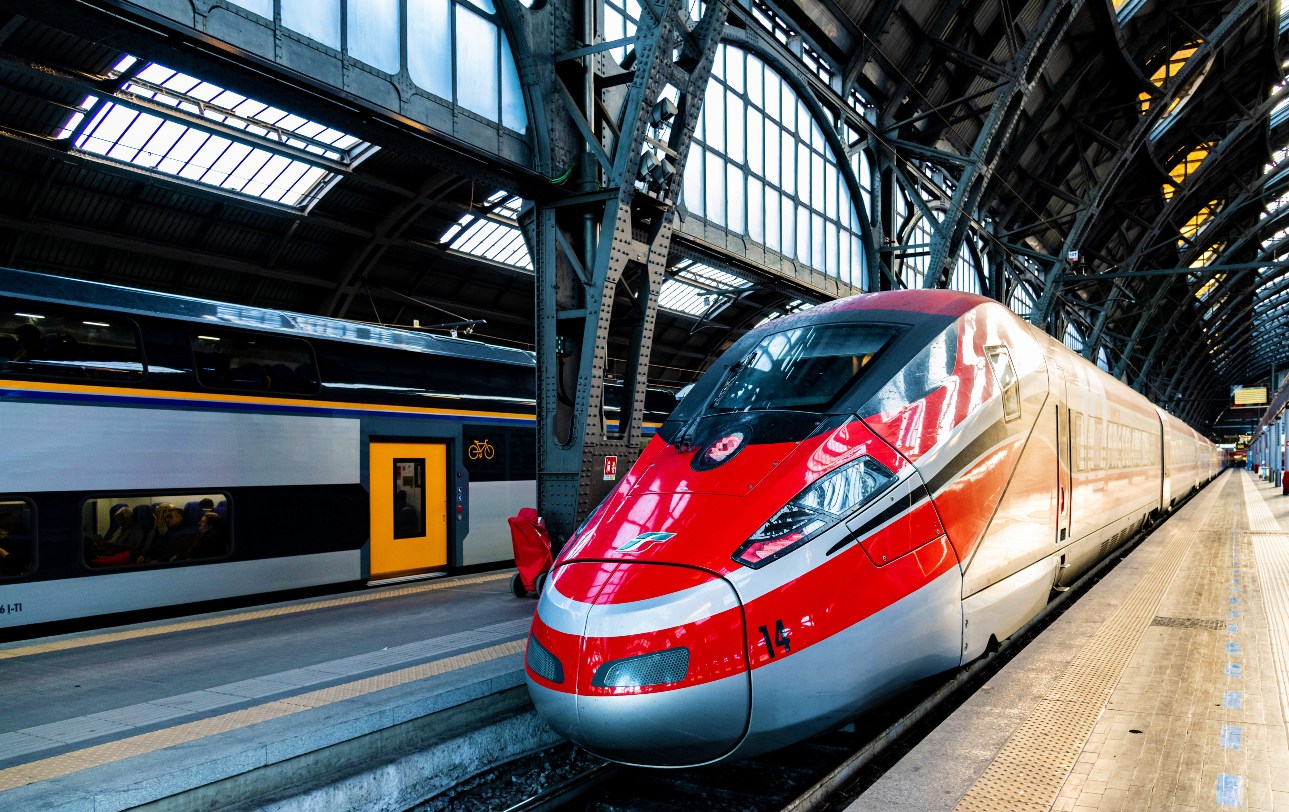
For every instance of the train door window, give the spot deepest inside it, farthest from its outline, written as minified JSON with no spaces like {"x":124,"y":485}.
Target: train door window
{"x":45,"y":340}
{"x":409,"y":498}
{"x":228,"y":359}
{"x":1000,"y":360}
{"x":155,"y":528}
{"x":17,"y":538}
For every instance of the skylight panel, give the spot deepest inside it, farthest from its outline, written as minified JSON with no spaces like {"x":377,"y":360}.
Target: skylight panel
{"x":1196,"y":224}
{"x":492,"y":232}
{"x":696,"y":287}
{"x":168,"y":122}
{"x":795,"y":306}
{"x":1184,"y":167}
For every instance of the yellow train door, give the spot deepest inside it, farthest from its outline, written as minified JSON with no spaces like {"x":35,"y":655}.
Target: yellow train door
{"x":409,"y":508}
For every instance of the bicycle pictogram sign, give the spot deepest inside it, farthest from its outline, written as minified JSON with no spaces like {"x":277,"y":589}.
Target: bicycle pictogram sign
{"x":481,"y":450}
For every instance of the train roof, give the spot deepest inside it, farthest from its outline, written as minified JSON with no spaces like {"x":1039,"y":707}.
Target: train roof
{"x":57,"y":289}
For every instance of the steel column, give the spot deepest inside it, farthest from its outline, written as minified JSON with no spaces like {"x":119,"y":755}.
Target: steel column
{"x":600,"y":258}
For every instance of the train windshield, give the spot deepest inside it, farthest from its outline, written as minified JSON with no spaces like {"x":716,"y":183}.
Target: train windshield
{"x":803,"y":369}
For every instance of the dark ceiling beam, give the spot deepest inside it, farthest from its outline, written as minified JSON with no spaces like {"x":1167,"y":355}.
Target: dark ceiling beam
{"x":915,"y":65}
{"x":873,"y":29}
{"x":1191,"y":188}
{"x":1026,"y":66}
{"x":1103,"y":192}
{"x":1035,"y":127}
{"x":391,"y":226}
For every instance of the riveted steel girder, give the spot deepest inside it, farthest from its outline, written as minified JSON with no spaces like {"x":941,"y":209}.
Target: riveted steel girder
{"x":1250,"y":126}
{"x":1023,"y":73}
{"x":1102,"y":192}
{"x":601,"y":255}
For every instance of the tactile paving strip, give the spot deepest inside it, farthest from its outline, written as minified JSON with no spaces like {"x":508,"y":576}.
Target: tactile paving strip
{"x":1271,"y":549}
{"x":1189,"y":623}
{"x":1030,"y":769}
{"x":242,"y":617}
{"x":56,"y":766}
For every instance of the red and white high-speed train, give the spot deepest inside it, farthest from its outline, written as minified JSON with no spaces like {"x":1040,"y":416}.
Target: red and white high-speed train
{"x":853,"y":498}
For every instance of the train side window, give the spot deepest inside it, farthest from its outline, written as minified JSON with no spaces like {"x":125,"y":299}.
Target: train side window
{"x":46,"y":340}
{"x":229,"y":359}
{"x":1000,"y":359}
{"x":155,"y":528}
{"x":17,"y":537}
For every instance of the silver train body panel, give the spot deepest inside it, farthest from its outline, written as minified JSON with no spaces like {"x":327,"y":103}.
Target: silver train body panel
{"x":107,"y":593}
{"x":118,"y":449}
{"x":852,"y":671}
{"x":491,"y":503}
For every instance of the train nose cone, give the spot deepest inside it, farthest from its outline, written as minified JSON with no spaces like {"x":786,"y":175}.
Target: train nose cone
{"x":651,"y":675}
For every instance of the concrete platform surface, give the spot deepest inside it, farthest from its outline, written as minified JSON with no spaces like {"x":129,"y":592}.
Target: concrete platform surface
{"x":373,"y":699}
{"x":1166,"y":686}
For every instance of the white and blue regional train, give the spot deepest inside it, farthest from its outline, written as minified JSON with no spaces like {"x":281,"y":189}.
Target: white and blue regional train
{"x":162,"y":450}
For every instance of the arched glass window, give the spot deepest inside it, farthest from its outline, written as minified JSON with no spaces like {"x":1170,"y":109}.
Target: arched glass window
{"x":1022,"y":300}
{"x":759,"y":166}
{"x":916,"y":248}
{"x":216,"y":138}
{"x":480,"y":76}
{"x":965,"y":277}
{"x":492,"y":231}
{"x":1073,"y":339}
{"x":1166,"y":70}
{"x":1205,"y":259}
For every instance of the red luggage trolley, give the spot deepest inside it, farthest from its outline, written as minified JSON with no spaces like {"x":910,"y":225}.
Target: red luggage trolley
{"x":532,"y":552}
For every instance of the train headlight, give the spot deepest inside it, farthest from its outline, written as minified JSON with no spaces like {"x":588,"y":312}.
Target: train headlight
{"x":543,"y":663}
{"x":658,"y":668}
{"x":827,"y":501}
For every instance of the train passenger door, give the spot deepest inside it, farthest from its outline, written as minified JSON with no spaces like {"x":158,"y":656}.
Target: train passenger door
{"x":409,"y":508}
{"x":1165,"y":461}
{"x":1064,"y":457}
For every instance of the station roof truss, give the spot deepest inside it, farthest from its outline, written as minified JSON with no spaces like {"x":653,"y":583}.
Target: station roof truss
{"x":1115,"y":170}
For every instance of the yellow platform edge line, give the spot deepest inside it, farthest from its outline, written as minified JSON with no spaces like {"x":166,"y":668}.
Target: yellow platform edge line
{"x":242,"y":617}
{"x":110,"y":752}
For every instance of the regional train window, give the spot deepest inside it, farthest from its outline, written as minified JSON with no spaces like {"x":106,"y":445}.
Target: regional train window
{"x":802,"y":369}
{"x":1000,"y":359}
{"x":67,"y":342}
{"x":155,"y":528}
{"x":17,"y":538}
{"x":228,"y":359}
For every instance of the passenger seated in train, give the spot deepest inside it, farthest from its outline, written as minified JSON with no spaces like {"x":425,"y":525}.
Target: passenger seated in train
{"x":163,"y":542}
{"x":208,"y":541}
{"x":122,"y":544}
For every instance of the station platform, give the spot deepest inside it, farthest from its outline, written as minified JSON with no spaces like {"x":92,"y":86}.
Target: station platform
{"x":369,"y":700}
{"x":1166,"y":686}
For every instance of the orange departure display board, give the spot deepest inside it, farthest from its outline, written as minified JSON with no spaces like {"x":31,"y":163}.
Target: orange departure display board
{"x":1249,"y":395}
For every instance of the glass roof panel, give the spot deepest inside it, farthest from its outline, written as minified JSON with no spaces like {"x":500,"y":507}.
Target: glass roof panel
{"x":492,"y":232}
{"x":1166,"y":71}
{"x":144,"y":136}
{"x":795,"y":306}
{"x":695,"y":287}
